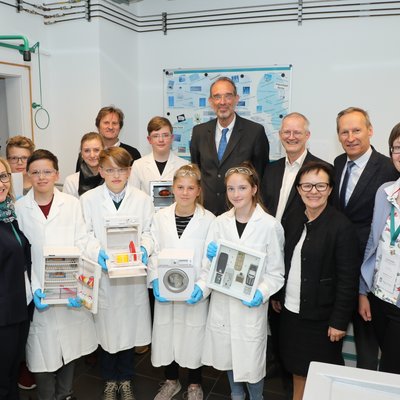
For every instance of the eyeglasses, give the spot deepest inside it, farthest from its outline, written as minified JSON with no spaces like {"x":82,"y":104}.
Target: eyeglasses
{"x":307,"y":187}
{"x":296,"y":134}
{"x":47,"y":173}
{"x":5,"y":177}
{"x":239,"y":170}
{"x":115,"y":171}
{"x":187,"y":170}
{"x":395,"y":150}
{"x":16,"y":160}
{"x":226,"y":96}
{"x":158,"y":136}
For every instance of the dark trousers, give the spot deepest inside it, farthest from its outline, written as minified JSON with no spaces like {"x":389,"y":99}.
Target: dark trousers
{"x":386,"y":322}
{"x":118,"y":366}
{"x":172,"y":373}
{"x":367,"y":347}
{"x":12,"y":348}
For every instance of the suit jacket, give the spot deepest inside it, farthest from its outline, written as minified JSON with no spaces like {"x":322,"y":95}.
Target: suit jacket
{"x":248,"y":142}
{"x":329,"y":265}
{"x":272,"y":182}
{"x":360,"y":206}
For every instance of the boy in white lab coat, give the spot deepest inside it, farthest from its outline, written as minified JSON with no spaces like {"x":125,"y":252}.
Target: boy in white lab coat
{"x":58,"y":334}
{"x":161,"y":163}
{"x":123,"y":318}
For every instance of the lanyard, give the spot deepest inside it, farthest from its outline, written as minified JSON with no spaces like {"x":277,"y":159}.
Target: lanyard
{"x":393,"y":233}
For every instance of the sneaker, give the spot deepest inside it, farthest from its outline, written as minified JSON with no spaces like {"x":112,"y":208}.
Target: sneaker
{"x":194,"y":393}
{"x":168,"y":390}
{"x":125,"y":390}
{"x":26,"y":380}
{"x":139,"y":350}
{"x":110,"y":391}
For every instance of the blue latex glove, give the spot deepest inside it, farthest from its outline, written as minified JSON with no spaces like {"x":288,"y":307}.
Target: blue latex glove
{"x":101,"y":259}
{"x":212,"y":250}
{"x":74,"y":302}
{"x":156,"y":291}
{"x":257,"y":300}
{"x":37,"y":296}
{"x":196,"y":295}
{"x":145,"y":257}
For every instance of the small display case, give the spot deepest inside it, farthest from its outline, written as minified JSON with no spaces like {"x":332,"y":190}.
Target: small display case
{"x":67,"y":274}
{"x":123,"y":247}
{"x":236,"y":270}
{"x":176,"y":273}
{"x":161,"y":194}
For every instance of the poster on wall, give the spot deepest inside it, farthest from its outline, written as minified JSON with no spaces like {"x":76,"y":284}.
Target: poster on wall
{"x":264,"y":97}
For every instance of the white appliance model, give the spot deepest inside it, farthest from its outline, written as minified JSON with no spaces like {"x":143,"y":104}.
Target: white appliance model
{"x":161,"y":194}
{"x":176,"y":274}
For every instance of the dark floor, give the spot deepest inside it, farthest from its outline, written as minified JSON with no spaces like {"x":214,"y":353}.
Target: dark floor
{"x":88,"y":385}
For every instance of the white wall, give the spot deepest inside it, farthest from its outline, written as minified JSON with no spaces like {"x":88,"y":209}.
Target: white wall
{"x":337,"y":63}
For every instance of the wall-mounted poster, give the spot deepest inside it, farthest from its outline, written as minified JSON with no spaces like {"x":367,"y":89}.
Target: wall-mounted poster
{"x":264,"y":98}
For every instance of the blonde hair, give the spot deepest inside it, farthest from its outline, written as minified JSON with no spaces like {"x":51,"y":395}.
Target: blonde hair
{"x":91,"y":136}
{"x":193,"y":171}
{"x":8,"y":169}
{"x":21,"y":142}
{"x":117,"y":154}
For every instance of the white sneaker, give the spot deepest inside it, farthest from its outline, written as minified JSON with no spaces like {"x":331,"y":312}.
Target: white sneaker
{"x":125,"y":390}
{"x":168,"y":390}
{"x":194,"y":393}
{"x":110,"y":391}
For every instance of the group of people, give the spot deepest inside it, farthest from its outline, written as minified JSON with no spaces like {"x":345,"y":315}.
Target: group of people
{"x":310,"y":219}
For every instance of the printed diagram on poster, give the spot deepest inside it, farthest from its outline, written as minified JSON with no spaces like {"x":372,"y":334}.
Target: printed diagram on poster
{"x":236,"y":270}
{"x":264,"y":97}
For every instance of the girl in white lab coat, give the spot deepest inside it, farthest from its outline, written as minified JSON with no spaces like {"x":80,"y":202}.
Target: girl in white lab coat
{"x":123,"y":317}
{"x":236,"y":332}
{"x":88,"y":176}
{"x":58,"y":334}
{"x":161,"y":163}
{"x":178,"y":328}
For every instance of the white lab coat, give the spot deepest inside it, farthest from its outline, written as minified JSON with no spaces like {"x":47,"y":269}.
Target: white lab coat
{"x":178,"y":327}
{"x":123,"y":318}
{"x":59,"y":333}
{"x":144,"y":171}
{"x":236,"y":335}
{"x":71,"y":185}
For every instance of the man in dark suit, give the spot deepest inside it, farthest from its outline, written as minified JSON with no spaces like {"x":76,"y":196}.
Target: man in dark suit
{"x":225,"y":142}
{"x":354,"y":194}
{"x":277,"y":190}
{"x":109,"y":122}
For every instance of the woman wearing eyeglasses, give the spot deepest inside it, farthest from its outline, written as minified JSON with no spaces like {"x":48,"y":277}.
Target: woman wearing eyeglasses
{"x":123,"y":318}
{"x":236,"y":331}
{"x":15,"y":261}
{"x":321,"y":277}
{"x":161,"y":163}
{"x":379,"y":294}
{"x":18,"y":150}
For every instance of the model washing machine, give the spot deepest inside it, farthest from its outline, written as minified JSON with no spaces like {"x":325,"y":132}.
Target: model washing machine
{"x":176,"y":274}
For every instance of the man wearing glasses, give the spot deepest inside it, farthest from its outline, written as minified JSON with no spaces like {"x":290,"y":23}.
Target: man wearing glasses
{"x":360,"y":171}
{"x":225,"y":142}
{"x":277,"y":188}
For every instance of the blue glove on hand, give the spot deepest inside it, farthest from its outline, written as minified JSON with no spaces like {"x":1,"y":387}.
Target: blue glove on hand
{"x":212,"y":250}
{"x":101,"y":259}
{"x":257,"y":300}
{"x":196,"y":296}
{"x":156,"y":291}
{"x":36,"y":299}
{"x":145,"y":257}
{"x":74,"y":302}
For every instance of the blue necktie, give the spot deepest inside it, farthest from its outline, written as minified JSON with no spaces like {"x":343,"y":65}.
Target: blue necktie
{"x":342,"y":195}
{"x":222,"y":144}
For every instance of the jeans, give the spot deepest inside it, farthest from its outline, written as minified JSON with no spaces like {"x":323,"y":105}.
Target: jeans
{"x":117,"y":366}
{"x":237,"y":389}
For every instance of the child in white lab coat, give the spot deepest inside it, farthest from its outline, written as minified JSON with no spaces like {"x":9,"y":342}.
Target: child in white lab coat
{"x":123,"y":318}
{"x":236,"y":332}
{"x":179,"y":326}
{"x":161,"y":163}
{"x":58,"y":334}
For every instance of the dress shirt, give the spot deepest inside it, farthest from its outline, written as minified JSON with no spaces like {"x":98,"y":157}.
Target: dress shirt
{"x":289,"y":176}
{"x":356,"y":172}
{"x":218,"y":132}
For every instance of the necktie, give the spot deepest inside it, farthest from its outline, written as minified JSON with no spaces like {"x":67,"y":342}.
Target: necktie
{"x":342,"y":195}
{"x":222,"y":144}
